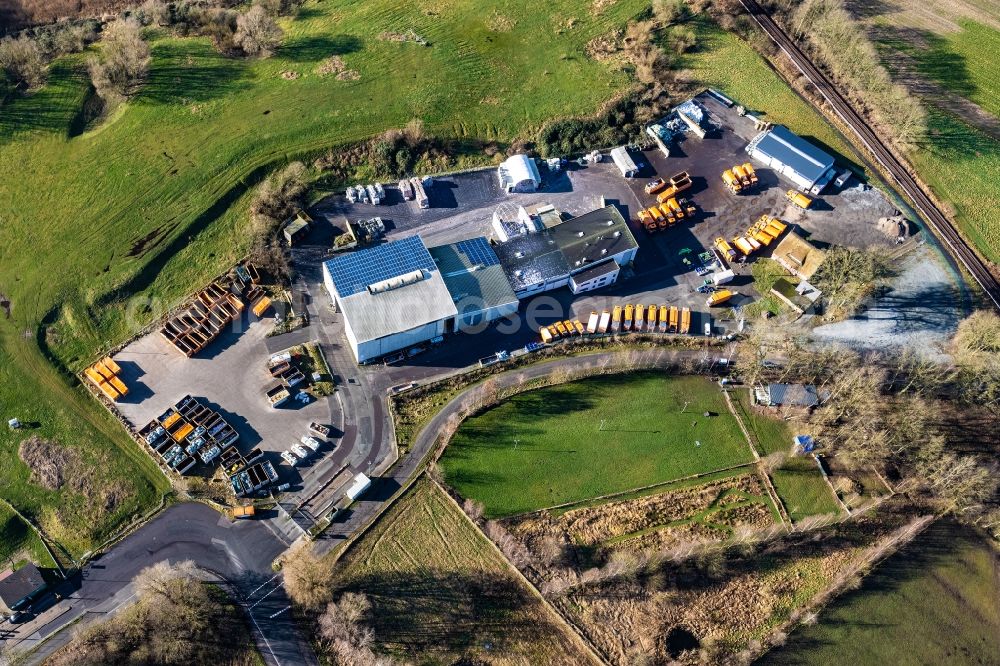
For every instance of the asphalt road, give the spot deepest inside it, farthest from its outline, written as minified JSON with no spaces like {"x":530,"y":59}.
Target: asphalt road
{"x":240,"y":553}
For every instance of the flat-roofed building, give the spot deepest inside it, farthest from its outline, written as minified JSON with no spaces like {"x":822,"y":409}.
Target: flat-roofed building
{"x":477,"y":283}
{"x":548,"y":258}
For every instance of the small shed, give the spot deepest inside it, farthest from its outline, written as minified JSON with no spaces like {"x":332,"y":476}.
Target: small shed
{"x":624,"y":162}
{"x":358,"y":486}
{"x":519,"y":173}
{"x":297,"y":228}
{"x":18,"y":587}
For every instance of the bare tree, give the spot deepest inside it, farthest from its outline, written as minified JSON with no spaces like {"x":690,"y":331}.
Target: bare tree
{"x":124,"y":63}
{"x":22,"y":62}
{"x":308,"y":580}
{"x":257,"y":33}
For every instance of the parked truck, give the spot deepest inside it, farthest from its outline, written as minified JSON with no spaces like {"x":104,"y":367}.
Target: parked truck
{"x":685,"y":320}
{"x":651,"y":318}
{"x":672,"y":327}
{"x":751,"y":173}
{"x":741,"y":173}
{"x":629,"y":314}
{"x":664,"y":317}
{"x":723,"y":277}
{"x":593,"y":322}
{"x":724,"y":248}
{"x":616,"y":319}
{"x":640,"y":317}
{"x":605,"y":321}
{"x":719,"y":297}
{"x":799,"y":199}
{"x":678,"y":184}
{"x":731,"y":181}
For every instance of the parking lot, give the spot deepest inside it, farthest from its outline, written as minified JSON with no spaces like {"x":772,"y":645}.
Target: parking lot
{"x":230,"y":376}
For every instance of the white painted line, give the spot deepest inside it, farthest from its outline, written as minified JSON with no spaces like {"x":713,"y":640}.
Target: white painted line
{"x":257,"y":589}
{"x":264,"y":638}
{"x":273,"y":590}
{"x":276,"y":614}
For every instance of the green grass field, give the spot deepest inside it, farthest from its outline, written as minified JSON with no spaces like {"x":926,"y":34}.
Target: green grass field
{"x":799,"y":483}
{"x":442,"y":594}
{"x":962,"y":63}
{"x":936,"y":602}
{"x":176,"y":165}
{"x":18,"y":542}
{"x":592,"y":437}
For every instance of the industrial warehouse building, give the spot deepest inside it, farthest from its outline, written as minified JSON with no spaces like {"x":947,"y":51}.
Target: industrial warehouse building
{"x":400,"y":294}
{"x":808,"y":167}
{"x":392,"y":296}
{"x":583,"y":253}
{"x":519,"y":173}
{"x":476,"y":281}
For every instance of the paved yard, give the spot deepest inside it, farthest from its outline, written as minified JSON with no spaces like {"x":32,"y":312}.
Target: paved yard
{"x":230,"y":376}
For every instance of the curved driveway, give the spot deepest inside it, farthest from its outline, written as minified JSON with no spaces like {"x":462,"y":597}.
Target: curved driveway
{"x":241,"y":553}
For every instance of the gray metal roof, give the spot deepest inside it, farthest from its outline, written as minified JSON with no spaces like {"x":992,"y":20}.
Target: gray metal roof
{"x":796,"y":395}
{"x":568,"y":247}
{"x":16,"y":585}
{"x":472,"y":272}
{"x":603,"y":268}
{"x":789,"y":148}
{"x":593,"y":237}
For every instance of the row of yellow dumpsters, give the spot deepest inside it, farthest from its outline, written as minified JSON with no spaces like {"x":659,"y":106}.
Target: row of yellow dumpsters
{"x":621,"y":319}
{"x":104,"y":375}
{"x":740,"y":178}
{"x":669,"y":209}
{"x":760,"y":234}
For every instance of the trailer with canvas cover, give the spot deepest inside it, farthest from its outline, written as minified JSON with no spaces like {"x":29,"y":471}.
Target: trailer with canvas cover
{"x":628,"y":317}
{"x":640,"y":318}
{"x":593,"y":322}
{"x":651,"y":315}
{"x":616,"y":319}
{"x":672,"y":327}
{"x":685,"y":320}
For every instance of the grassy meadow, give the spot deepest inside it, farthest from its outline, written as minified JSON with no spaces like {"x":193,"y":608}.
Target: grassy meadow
{"x":18,"y":542}
{"x":441,"y":593}
{"x":150,"y":202}
{"x":935,"y":602}
{"x":798,"y":481}
{"x":592,"y":437}
{"x":947,"y":62}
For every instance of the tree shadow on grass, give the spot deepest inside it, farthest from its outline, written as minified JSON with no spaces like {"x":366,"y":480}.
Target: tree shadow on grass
{"x":191,"y":71}
{"x":316,"y":48}
{"x":52,"y":108}
{"x":437,"y":610}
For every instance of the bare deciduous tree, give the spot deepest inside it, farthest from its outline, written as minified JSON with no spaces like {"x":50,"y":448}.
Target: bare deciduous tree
{"x":308,"y":580}
{"x":257,"y":33}
{"x":124,"y":63}
{"x":22,"y":62}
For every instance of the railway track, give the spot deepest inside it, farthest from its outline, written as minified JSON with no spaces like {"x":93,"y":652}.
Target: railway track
{"x":935,"y":219}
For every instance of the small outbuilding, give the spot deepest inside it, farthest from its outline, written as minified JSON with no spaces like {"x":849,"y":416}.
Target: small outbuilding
{"x":19,"y":587}
{"x":519,"y":173}
{"x":624,"y":162}
{"x":297,"y":228}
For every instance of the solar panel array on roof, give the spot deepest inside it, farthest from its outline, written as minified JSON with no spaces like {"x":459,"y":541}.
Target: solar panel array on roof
{"x":478,"y":252}
{"x":353,"y":272}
